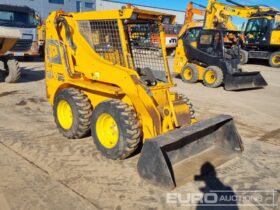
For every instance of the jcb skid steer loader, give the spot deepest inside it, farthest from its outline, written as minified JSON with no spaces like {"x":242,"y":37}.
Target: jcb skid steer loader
{"x":214,"y":60}
{"x":104,"y":77}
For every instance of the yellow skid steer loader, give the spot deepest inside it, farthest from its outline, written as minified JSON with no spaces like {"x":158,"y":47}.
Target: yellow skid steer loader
{"x":105,"y":74}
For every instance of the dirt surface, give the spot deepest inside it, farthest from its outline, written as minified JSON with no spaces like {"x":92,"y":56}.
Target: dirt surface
{"x":40,"y":169}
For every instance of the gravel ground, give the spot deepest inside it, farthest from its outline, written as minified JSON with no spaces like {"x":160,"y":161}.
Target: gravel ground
{"x":40,"y":169}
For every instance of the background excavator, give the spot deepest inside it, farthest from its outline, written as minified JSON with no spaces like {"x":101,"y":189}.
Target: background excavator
{"x":212,"y":56}
{"x":192,"y":19}
{"x":101,"y":77}
{"x":261,"y":37}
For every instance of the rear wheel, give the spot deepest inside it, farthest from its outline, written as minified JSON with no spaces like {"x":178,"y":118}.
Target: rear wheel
{"x":274,"y":60}
{"x":189,"y":73}
{"x":72,"y":113}
{"x":213,"y":77}
{"x":244,"y":56}
{"x":115,"y":129}
{"x":12,"y":73}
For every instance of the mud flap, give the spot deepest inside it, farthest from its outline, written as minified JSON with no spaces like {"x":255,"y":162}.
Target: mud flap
{"x":175,"y":158}
{"x":244,"y":80}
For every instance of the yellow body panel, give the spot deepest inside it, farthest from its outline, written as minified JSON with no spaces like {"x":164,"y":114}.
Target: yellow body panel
{"x":180,"y":57}
{"x":217,"y":16}
{"x":100,"y":79}
{"x":275,"y":38}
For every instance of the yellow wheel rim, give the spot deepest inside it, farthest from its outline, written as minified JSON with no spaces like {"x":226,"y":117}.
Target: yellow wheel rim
{"x":64,"y":114}
{"x":210,"y":76}
{"x":107,"y":130}
{"x":187,"y":74}
{"x":276,"y":60}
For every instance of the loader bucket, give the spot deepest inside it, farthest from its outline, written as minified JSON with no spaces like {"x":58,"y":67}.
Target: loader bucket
{"x":244,"y":80}
{"x":174,"y":158}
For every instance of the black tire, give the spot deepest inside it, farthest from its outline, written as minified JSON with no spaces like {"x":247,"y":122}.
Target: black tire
{"x":193,"y":71}
{"x":244,"y":56}
{"x":128,"y":128}
{"x":189,"y":103}
{"x":274,"y":59}
{"x":218,"y":74}
{"x":12,"y":72}
{"x":81,"y":111}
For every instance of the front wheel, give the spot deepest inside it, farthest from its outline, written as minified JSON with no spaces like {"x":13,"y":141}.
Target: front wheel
{"x":213,"y":77}
{"x":115,"y":129}
{"x":274,"y":60}
{"x":72,"y":112}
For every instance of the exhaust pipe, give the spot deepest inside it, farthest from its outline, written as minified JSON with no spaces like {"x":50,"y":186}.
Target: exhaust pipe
{"x":174,"y":158}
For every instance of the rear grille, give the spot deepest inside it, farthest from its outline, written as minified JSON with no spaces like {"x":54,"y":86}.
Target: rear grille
{"x":22,"y":45}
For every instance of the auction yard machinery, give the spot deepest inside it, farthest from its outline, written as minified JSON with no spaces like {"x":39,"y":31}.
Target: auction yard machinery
{"x":215,"y":62}
{"x":261,"y":35}
{"x":213,"y":56}
{"x":9,"y":67}
{"x":101,"y":76}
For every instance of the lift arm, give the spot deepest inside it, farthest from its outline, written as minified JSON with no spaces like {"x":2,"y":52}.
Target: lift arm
{"x":218,"y":14}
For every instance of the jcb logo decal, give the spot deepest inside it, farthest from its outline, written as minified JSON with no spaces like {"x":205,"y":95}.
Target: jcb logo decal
{"x":53,"y":54}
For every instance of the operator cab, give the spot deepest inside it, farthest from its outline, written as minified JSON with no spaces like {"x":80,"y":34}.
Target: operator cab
{"x":16,"y":16}
{"x":258,"y":29}
{"x":214,"y":43}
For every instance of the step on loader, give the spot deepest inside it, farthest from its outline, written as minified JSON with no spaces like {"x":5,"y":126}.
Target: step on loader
{"x":9,"y":66}
{"x":104,"y":75}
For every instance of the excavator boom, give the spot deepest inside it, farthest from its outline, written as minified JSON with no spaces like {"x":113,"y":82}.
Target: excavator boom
{"x":218,"y":13}
{"x":190,"y":21}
